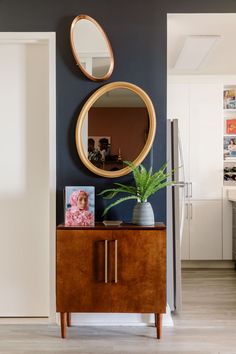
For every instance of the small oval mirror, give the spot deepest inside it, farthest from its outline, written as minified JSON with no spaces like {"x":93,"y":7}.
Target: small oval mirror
{"x":91,"y":48}
{"x":116,"y":124}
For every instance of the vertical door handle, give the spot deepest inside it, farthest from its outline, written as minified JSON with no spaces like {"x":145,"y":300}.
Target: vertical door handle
{"x":106,"y":260}
{"x":191,"y":190}
{"x":191,"y":210}
{"x":116,"y":261}
{"x":186,"y":190}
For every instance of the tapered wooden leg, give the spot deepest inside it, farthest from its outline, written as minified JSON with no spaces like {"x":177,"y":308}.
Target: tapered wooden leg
{"x":155,"y":316}
{"x":63,"y":324}
{"x":68,"y":315}
{"x":158,"y":318}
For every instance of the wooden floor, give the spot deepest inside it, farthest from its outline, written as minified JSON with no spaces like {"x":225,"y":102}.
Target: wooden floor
{"x":206,"y":325}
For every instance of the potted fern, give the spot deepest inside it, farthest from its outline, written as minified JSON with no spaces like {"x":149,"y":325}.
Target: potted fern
{"x":146,"y":183}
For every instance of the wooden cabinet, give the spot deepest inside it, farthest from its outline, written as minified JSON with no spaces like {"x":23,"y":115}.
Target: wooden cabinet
{"x":105,"y":269}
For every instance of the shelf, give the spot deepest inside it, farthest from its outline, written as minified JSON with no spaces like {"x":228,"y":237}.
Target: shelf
{"x":229,"y":110}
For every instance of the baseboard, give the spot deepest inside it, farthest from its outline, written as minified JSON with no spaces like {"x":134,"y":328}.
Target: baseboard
{"x":208,"y":264}
{"x":118,"y":319}
{"x":24,"y":320}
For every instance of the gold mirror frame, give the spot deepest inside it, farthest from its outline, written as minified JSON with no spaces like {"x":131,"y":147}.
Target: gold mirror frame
{"x":82,"y":116}
{"x":77,"y":59}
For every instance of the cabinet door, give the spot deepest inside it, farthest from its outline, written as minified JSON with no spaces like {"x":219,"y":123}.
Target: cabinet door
{"x":80,"y":271}
{"x":141,"y":272}
{"x":206,"y":230}
{"x":206,"y":131}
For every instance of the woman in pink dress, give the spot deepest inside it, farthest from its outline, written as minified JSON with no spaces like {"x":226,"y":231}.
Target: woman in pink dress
{"x":78,"y":214}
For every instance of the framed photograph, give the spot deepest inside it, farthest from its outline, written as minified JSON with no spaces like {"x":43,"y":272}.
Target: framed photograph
{"x":99,"y":140}
{"x":229,"y":99}
{"x":79,"y":206}
{"x":230,"y":126}
{"x":230,"y":147}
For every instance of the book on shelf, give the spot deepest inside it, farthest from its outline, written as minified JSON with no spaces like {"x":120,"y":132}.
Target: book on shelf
{"x":229,"y":98}
{"x":230,"y":126}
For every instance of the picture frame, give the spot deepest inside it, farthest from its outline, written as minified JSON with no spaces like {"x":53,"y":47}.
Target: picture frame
{"x":80,"y":206}
{"x":231,"y":126}
{"x":229,"y":98}
{"x":97,"y":138}
{"x":230,"y":147}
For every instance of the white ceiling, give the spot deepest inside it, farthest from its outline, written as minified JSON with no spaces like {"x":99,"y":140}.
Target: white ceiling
{"x":221,"y":58}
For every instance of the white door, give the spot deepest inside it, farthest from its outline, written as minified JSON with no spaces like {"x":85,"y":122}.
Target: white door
{"x":24,"y":179}
{"x":205,"y":230}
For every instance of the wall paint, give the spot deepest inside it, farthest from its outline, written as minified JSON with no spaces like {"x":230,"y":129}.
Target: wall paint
{"x":137,"y":31}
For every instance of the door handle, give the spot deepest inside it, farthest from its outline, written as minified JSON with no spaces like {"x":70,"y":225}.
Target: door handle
{"x":191,"y":190}
{"x":106,"y":260}
{"x":116,"y":261}
{"x":186,"y":190}
{"x":191,"y":210}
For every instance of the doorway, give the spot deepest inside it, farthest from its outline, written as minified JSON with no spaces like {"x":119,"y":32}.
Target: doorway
{"x":27,"y":179}
{"x":200,"y":67}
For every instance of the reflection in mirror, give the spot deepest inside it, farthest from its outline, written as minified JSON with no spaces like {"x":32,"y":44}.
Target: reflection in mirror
{"x":117,"y":128}
{"x":91,"y":48}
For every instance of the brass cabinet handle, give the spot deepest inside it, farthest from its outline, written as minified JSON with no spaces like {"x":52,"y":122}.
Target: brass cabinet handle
{"x":106,"y":261}
{"x":116,"y":261}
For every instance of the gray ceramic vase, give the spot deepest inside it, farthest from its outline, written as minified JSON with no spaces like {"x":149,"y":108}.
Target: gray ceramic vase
{"x":143,"y":214}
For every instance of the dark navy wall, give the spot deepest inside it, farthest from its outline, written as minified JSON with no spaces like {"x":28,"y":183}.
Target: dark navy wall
{"x":137,"y":31}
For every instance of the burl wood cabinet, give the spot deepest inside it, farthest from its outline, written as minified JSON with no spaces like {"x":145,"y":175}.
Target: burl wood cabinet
{"x":111,"y":269}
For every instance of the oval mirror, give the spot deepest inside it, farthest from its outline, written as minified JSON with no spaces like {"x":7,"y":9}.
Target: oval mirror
{"x":91,"y":48}
{"x":116,"y":124}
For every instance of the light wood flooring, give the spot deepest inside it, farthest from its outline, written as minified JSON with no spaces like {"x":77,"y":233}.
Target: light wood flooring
{"x":206,"y":325}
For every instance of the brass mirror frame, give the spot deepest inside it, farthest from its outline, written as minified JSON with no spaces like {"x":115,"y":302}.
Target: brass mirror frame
{"x":91,"y":77}
{"x":79,"y":126}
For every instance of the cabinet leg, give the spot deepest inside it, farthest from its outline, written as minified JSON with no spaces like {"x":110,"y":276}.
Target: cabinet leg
{"x":68,"y":317}
{"x":63,"y":324}
{"x":158,"y":320}
{"x":155,"y":316}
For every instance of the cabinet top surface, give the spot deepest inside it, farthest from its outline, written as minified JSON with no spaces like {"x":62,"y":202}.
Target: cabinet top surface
{"x":123,"y":226}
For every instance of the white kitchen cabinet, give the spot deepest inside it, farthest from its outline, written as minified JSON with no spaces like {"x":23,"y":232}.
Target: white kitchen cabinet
{"x":198,"y":107}
{"x":205,"y":143}
{"x":205,"y":226}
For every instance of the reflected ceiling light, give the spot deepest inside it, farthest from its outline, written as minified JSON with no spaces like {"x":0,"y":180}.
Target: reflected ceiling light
{"x":194,"y":51}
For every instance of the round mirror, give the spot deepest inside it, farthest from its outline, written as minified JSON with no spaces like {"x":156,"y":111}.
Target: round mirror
{"x":91,"y":48}
{"x":116,"y":124}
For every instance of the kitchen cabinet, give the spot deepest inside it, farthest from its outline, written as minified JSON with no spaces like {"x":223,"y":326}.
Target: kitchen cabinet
{"x":111,"y":269}
{"x":197,"y":104}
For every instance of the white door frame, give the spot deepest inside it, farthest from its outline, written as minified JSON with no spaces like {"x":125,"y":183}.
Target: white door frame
{"x":48,"y":38}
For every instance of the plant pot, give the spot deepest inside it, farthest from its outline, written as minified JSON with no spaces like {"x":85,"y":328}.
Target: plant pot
{"x":143,"y":214}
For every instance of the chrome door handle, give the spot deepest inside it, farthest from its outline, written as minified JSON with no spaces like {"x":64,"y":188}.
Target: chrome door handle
{"x":106,"y":260}
{"x":191,"y":210}
{"x":191,"y":190}
{"x":186,"y":190}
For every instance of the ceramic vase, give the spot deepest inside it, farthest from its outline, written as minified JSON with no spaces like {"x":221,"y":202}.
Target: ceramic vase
{"x":143,"y":214}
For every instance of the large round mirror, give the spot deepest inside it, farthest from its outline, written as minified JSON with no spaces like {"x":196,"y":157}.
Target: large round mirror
{"x":116,"y":124}
{"x":91,"y":48}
